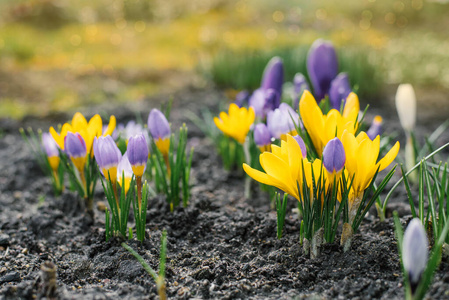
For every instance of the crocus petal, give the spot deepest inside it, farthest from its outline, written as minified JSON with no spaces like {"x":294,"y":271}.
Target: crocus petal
{"x":415,"y":250}
{"x":158,"y":124}
{"x":111,"y":126}
{"x":322,"y":67}
{"x":389,"y":157}
{"x":406,"y":106}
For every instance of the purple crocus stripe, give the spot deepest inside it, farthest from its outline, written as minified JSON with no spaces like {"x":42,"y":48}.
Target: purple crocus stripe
{"x":137,"y":150}
{"x":334,"y":156}
{"x":74,"y":145}
{"x":158,"y":124}
{"x":322,"y":67}
{"x":339,"y":90}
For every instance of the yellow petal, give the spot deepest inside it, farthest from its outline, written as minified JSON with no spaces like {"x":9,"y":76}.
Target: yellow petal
{"x":78,"y":122}
{"x":351,"y":105}
{"x":389,"y":157}
{"x":95,"y":126}
{"x":111,"y":126}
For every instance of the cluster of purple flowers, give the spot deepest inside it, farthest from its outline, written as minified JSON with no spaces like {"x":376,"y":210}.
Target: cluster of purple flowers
{"x":277,"y":119}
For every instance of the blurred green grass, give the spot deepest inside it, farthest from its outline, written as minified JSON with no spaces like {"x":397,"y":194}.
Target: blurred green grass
{"x":57,"y":55}
{"x":243,"y":69}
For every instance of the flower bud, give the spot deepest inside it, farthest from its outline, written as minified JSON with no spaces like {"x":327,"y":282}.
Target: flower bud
{"x":322,"y":67}
{"x":124,"y":171}
{"x":75,"y":147}
{"x":406,"y":106}
{"x":376,"y":128}
{"x":339,"y":90}
{"x":415,"y":251}
{"x":273,"y":76}
{"x":160,"y":130}
{"x":334,"y":157}
{"x":108,"y":156}
{"x":138,"y":154}
{"x":262,"y":137}
{"x":51,"y":150}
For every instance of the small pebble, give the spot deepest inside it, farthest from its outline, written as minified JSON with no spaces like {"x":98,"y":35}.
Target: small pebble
{"x":10,"y":277}
{"x":4,"y":240}
{"x":101,"y":206}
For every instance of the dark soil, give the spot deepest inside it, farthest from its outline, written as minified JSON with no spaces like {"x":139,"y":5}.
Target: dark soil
{"x":220,"y":247}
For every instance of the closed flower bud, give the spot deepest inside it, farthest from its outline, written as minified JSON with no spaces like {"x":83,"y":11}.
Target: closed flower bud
{"x":108,"y":156}
{"x":160,"y":130}
{"x":406,"y":106}
{"x":262,"y":137}
{"x":415,"y":251}
{"x":334,"y":157}
{"x":339,"y":90}
{"x":138,"y":154}
{"x":51,"y":150}
{"x":75,"y":147}
{"x":124,"y":171}
{"x":376,"y":128}
{"x":322,"y":67}
{"x":273,"y":76}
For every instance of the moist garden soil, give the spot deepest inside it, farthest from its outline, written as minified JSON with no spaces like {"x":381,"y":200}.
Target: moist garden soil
{"x":222,"y":246}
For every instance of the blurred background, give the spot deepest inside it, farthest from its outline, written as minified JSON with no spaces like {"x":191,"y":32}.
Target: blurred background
{"x":58,"y":55}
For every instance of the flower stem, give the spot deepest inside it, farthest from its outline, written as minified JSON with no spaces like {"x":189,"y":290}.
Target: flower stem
{"x":139,"y":191}
{"x":248,"y":161}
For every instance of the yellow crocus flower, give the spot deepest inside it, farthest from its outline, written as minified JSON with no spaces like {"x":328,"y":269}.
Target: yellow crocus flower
{"x":322,"y":128}
{"x":88,"y":130}
{"x":283,"y":168}
{"x":236,"y":123}
{"x":361,"y":160}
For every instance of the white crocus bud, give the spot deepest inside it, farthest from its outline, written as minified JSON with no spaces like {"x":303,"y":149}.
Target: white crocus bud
{"x":415,"y":251}
{"x":406,"y":106}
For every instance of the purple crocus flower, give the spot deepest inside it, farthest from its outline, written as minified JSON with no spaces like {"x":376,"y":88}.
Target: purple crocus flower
{"x":160,"y":130}
{"x":75,"y":148}
{"x":291,"y":115}
{"x":339,"y":90}
{"x":242,"y":98}
{"x":262,"y":137}
{"x":49,"y":145}
{"x":108,"y":156}
{"x":263,"y":101}
{"x":273,"y":76}
{"x":51,"y":150}
{"x":334,"y":157}
{"x":138,"y":154}
{"x":376,"y":128}
{"x":257,"y":102}
{"x":322,"y":67}
{"x":277,"y":123}
{"x":302,"y":145}
{"x":124,"y":171}
{"x":158,"y":125}
{"x":415,"y":251}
